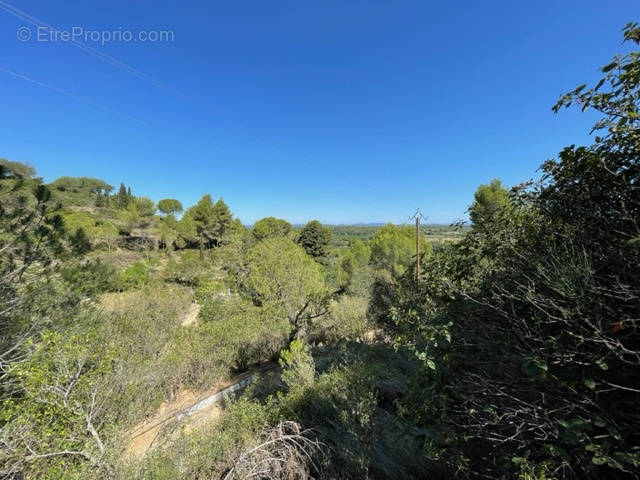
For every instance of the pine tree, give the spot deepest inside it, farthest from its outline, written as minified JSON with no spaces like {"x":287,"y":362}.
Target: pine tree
{"x":122,"y":197}
{"x":222,"y":219}
{"x":315,"y":238}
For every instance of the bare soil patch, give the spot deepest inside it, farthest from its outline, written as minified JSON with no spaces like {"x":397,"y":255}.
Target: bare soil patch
{"x":191,"y":315}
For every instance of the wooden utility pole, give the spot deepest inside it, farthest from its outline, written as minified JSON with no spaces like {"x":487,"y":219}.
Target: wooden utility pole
{"x":417,"y":216}
{"x":417,"y":249}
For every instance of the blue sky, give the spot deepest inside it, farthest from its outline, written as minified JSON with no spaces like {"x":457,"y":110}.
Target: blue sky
{"x":344,"y":111}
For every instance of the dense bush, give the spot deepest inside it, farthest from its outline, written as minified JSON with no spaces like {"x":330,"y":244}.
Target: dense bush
{"x":249,"y":334}
{"x":210,"y":289}
{"x":134,"y":276}
{"x":99,"y":230}
{"x":189,"y":268}
{"x":347,"y":318}
{"x":350,"y":407}
{"x":528,"y":327}
{"x":86,"y":378}
{"x":89,"y":279}
{"x":298,"y":368}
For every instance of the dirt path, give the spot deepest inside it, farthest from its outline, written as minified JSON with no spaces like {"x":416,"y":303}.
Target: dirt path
{"x":191,"y":408}
{"x":188,"y":408}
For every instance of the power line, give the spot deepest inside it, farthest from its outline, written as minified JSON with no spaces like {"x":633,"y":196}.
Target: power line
{"x":70,"y":95}
{"x":138,"y":74}
{"x":95,"y":53}
{"x":91,"y":51}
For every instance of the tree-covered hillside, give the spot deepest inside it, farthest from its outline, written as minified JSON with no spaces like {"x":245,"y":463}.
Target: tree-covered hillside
{"x":118,"y":306}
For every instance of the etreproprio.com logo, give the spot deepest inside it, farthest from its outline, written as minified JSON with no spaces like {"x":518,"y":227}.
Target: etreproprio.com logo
{"x":81,"y":34}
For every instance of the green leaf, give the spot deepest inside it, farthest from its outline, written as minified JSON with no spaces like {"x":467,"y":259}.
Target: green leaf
{"x":598,"y":421}
{"x":625,"y":457}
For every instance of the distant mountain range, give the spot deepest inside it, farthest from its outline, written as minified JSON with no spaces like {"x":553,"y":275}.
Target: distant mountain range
{"x":361,"y":224}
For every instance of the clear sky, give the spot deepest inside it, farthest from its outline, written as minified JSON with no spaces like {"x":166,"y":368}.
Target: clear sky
{"x":344,"y":111}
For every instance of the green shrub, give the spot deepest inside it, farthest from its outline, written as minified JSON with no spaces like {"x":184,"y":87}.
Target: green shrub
{"x":215,"y":308}
{"x":91,"y":278}
{"x":255,"y":335}
{"x":298,"y":366}
{"x":208,"y":289}
{"x":347,"y":318}
{"x":190,"y":268}
{"x":342,"y":407}
{"x":226,"y":342}
{"x":97,"y":229}
{"x":135,"y":276}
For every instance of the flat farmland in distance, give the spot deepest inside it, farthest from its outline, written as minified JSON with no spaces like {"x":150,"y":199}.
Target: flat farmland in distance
{"x":344,"y":235}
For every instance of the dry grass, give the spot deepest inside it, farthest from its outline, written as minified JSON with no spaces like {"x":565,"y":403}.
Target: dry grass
{"x":283,"y":452}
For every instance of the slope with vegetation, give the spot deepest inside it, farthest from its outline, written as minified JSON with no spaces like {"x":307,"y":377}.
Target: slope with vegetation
{"x":95,"y":338}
